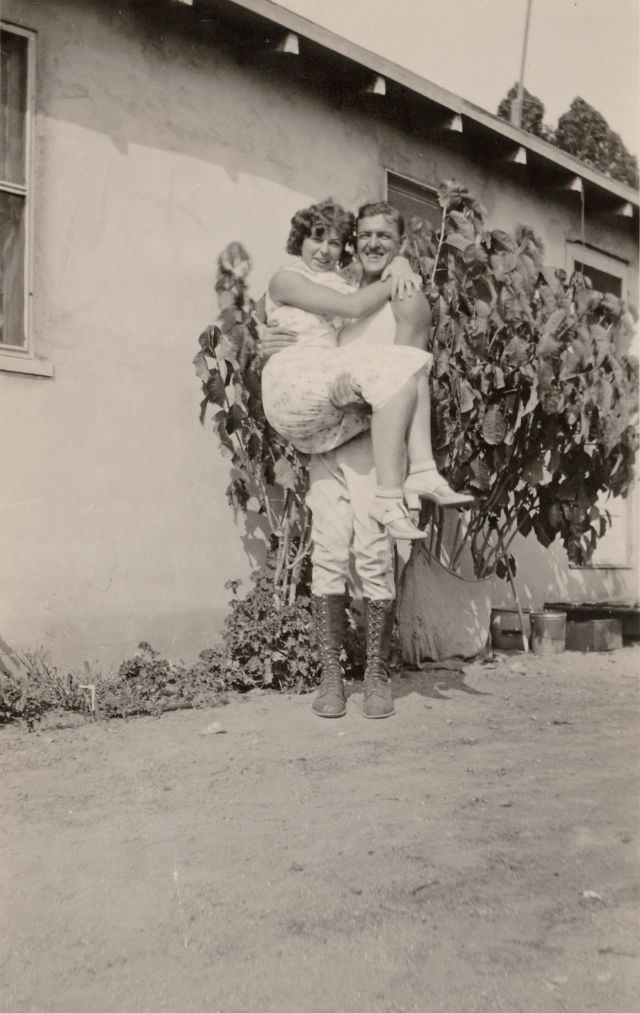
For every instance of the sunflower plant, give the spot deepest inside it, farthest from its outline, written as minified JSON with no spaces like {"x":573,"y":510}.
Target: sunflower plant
{"x":534,"y":387}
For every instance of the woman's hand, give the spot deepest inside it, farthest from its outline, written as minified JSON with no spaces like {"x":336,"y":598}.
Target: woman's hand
{"x":404,"y":280}
{"x":273,"y":339}
{"x":345,"y":392}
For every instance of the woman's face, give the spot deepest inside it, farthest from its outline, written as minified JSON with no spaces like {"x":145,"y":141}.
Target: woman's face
{"x":322,"y":250}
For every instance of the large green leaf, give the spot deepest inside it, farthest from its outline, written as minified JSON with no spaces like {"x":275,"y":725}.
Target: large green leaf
{"x":235,"y":417}
{"x":465,"y":396}
{"x":284,"y":474}
{"x":463,"y":224}
{"x":601,"y":338}
{"x":502,"y":264}
{"x":612,"y":305}
{"x":214,"y":389}
{"x":474,"y":254}
{"x":494,"y":426}
{"x":525,"y":523}
{"x":441,"y":364}
{"x":555,"y":321}
{"x":208,"y":340}
{"x":533,"y":471}
{"x":254,"y":446}
{"x":481,"y":476}
{"x":502,"y":241}
{"x":544,"y":535}
{"x":457,"y":241}
{"x":202,"y":367}
{"x":516,"y":351}
{"x":572,"y":360}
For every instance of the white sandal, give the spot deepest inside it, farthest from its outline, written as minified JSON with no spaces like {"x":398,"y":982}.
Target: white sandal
{"x":393,"y":515}
{"x":428,"y":483}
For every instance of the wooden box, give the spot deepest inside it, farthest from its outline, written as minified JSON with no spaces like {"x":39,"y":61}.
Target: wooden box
{"x":594,"y":635}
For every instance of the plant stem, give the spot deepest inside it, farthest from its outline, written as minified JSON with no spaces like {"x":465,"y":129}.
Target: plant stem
{"x":432,"y":530}
{"x":439,"y":513}
{"x":456,"y":535}
{"x":525,"y":642}
{"x":440,"y":242}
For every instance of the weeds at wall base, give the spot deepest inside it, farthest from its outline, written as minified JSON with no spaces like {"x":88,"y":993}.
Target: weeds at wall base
{"x":32,"y":687}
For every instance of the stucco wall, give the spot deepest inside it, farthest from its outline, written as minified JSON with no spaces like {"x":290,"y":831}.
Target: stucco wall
{"x":153,"y":150}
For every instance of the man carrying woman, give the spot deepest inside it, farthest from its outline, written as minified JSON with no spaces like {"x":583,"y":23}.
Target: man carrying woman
{"x":345,"y":491}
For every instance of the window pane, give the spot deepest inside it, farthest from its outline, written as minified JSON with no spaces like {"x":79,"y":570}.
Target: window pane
{"x":12,"y":269}
{"x":613,"y":549}
{"x":13,"y":106}
{"x":601,"y":280}
{"x":413,"y":200}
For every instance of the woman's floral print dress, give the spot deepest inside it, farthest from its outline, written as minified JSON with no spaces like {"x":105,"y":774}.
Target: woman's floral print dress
{"x":297,"y":382}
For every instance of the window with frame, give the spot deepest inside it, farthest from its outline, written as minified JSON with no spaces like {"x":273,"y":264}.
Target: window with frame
{"x":608,"y":274}
{"x":601,"y":281}
{"x":605,"y":271}
{"x":413,"y":200}
{"x":16,"y":96}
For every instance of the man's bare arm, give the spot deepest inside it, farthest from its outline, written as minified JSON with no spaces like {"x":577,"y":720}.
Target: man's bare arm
{"x":413,"y":321}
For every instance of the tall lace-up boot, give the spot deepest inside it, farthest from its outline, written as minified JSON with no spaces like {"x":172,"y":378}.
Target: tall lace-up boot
{"x":329,"y":615}
{"x":378,"y":699}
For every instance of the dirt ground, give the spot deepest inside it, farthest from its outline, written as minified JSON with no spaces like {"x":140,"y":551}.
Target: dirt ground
{"x":476,"y":853}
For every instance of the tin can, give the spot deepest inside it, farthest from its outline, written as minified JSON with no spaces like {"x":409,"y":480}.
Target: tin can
{"x":548,"y":632}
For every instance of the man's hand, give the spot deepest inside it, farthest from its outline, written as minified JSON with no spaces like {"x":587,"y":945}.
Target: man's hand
{"x":344,"y":392}
{"x":404,"y":281}
{"x":273,"y":339}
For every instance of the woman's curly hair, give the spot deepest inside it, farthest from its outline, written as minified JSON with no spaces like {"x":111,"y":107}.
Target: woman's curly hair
{"x":316,"y":220}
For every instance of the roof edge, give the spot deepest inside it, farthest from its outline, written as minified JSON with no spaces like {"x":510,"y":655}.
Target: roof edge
{"x":300,"y":25}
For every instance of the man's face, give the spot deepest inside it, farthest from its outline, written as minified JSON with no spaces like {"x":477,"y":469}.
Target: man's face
{"x":377,"y":243}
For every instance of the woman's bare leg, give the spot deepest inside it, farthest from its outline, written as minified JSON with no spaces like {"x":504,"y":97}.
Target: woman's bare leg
{"x":389,"y":426}
{"x":424,"y":480}
{"x":419,"y":447}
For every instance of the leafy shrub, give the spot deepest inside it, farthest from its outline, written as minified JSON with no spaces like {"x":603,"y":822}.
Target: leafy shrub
{"x":268,"y":479}
{"x":534,"y":392}
{"x":145,"y":684}
{"x":268,"y":635}
{"x":271,"y":643}
{"x":151,"y":684}
{"x":30,"y":686}
{"x":535,"y":408}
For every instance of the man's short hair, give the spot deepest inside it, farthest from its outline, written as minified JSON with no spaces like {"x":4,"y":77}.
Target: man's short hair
{"x":381,"y":207}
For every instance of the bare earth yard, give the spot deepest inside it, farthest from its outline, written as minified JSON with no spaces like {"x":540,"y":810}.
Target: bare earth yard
{"x":477,"y":853}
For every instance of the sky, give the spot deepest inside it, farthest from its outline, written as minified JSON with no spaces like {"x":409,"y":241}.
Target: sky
{"x":473,"y":48}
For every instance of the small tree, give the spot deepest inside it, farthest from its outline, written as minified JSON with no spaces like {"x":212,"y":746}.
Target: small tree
{"x":535,"y":397}
{"x":268,"y":477}
{"x":532,"y":110}
{"x":268,"y":637}
{"x":585,"y":133}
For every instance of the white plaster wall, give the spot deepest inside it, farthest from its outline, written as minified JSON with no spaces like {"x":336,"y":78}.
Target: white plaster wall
{"x":153,"y":151}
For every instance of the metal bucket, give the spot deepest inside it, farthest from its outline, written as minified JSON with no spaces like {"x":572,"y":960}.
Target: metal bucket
{"x":506,"y":632}
{"x":548,"y":632}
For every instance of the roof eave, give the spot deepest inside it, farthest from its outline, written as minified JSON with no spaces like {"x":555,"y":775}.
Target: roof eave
{"x":291,"y":22}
